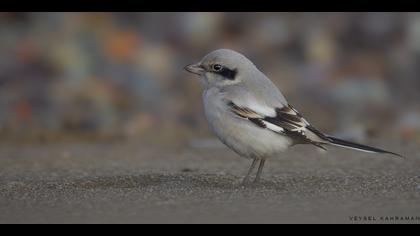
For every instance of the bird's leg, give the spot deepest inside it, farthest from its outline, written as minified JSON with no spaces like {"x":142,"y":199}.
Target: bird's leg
{"x":254,"y":163}
{"x":260,"y":168}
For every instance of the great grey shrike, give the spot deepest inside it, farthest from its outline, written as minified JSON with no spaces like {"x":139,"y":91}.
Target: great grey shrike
{"x":250,"y":115}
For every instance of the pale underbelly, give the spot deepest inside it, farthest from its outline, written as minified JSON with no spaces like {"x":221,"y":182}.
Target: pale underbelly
{"x":241,"y":135}
{"x":247,"y":139}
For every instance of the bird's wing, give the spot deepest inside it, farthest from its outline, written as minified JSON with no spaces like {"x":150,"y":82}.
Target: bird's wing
{"x":289,"y":122}
{"x":285,"y":120}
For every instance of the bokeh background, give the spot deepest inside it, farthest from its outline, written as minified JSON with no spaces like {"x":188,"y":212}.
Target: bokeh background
{"x":89,"y":76}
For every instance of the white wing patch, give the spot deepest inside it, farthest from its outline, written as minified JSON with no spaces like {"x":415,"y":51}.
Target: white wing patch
{"x":273,"y":127}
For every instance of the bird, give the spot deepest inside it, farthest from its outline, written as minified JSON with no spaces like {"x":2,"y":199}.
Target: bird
{"x":250,"y":115}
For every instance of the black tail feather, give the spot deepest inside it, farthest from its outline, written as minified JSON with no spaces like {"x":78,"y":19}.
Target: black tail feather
{"x":356,"y":146}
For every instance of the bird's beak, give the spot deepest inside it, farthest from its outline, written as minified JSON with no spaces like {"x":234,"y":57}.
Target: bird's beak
{"x":195,"y":69}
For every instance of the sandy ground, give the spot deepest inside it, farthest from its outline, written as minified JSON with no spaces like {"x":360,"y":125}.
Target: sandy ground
{"x":133,"y":183}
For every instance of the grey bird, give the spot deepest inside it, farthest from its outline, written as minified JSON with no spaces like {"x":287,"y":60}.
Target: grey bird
{"x":250,"y":115}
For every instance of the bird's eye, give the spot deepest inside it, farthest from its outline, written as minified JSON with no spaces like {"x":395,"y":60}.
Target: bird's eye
{"x":217,"y":67}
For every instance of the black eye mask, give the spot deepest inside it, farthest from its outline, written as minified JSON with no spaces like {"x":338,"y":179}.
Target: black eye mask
{"x":227,"y":73}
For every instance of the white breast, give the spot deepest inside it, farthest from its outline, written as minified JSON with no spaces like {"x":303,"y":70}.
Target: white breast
{"x":241,"y":135}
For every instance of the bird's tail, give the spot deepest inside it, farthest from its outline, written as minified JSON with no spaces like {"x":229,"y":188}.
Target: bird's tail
{"x":355,"y":146}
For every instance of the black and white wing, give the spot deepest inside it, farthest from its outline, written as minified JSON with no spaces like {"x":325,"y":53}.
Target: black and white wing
{"x":287,"y":121}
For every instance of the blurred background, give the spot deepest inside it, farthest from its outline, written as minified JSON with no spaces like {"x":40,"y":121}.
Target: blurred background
{"x":89,"y":76}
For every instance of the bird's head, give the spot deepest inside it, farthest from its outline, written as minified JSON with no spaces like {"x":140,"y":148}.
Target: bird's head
{"x":222,"y":67}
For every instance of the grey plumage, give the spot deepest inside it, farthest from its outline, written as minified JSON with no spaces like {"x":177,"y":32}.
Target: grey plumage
{"x":250,"y":115}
